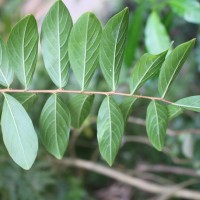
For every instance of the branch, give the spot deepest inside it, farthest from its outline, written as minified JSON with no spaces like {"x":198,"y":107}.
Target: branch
{"x":127,"y":179}
{"x":84,"y":92}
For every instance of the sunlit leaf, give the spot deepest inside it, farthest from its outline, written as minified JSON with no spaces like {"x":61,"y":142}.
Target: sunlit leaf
{"x":84,"y":47}
{"x":172,"y":65}
{"x":147,"y":66}
{"x":156,"y":124}
{"x":19,"y":135}
{"x":80,"y":106}
{"x":6,"y":73}
{"x":110,"y":127}
{"x":23,"y":49}
{"x":112,"y":47}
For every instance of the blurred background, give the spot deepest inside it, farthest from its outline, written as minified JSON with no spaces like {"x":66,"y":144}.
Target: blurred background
{"x":153,"y":25}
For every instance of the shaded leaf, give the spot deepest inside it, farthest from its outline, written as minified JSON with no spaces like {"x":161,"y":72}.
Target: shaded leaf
{"x":156,"y":36}
{"x":112,"y":47}
{"x":84,"y":47}
{"x":23,"y":49}
{"x":80,"y":106}
{"x":188,"y":9}
{"x":6,"y":73}
{"x":156,"y":124}
{"x":19,"y":135}
{"x":127,"y":106}
{"x":172,"y":65}
{"x":55,"y":32}
{"x":110,"y":127}
{"x":147,"y":66}
{"x":55,"y":123}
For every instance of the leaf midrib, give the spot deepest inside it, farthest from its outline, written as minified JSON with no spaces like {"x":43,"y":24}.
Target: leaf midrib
{"x":110,"y":129}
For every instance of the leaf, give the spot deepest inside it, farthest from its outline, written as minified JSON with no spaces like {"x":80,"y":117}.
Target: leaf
{"x":134,"y":33}
{"x":84,"y":47}
{"x":112,"y":47}
{"x":189,"y":103}
{"x":174,"y":111}
{"x":156,"y":36}
{"x":110,"y":127}
{"x":19,"y":135}
{"x":156,"y":124}
{"x":172,"y":65}
{"x":188,"y":9}
{"x":55,"y":123}
{"x":80,"y":106}
{"x":55,"y":32}
{"x":147,"y":66}
{"x":23,"y":49}
{"x":6,"y":73}
{"x":127,"y":107}
{"x":26,"y":99}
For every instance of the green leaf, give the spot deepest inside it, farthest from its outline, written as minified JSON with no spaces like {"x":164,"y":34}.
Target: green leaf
{"x":23,"y":49}
{"x":80,"y":106}
{"x":189,"y":103}
{"x":110,"y":127}
{"x":188,"y":9}
{"x":156,"y":36}
{"x":127,"y":107}
{"x":55,"y":123}
{"x":156,"y":124}
{"x":172,"y":65}
{"x":174,"y":111}
{"x":147,"y":66}
{"x":6,"y":73}
{"x":134,"y":33}
{"x":112,"y":47}
{"x":84,"y":47}
{"x":26,"y":99}
{"x":55,"y":32}
{"x":19,"y":135}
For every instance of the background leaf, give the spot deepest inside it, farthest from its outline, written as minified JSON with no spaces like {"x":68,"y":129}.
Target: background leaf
{"x":18,"y":132}
{"x":23,"y":49}
{"x":55,"y":123}
{"x":172,"y":65}
{"x":84,"y":47}
{"x":156,"y":124}
{"x":112,"y":47}
{"x":6,"y":73}
{"x":147,"y":66}
{"x":80,"y":106}
{"x":110,"y":127}
{"x":188,"y":9}
{"x":156,"y":36}
{"x":55,"y":32}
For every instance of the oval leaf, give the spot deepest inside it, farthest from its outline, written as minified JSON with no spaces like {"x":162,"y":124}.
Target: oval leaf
{"x":23,"y":49}
{"x":84,"y":47}
{"x":110,"y":128}
{"x":112,"y":47}
{"x":156,"y":124}
{"x":80,"y":106}
{"x":172,"y":65}
{"x":156,"y":36}
{"x":6,"y":73}
{"x":55,"y":123}
{"x":55,"y":32}
{"x":19,"y":135}
{"x":147,"y":66}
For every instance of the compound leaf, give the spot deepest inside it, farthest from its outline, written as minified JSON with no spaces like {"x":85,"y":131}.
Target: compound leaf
{"x":110,"y":127}
{"x":112,"y":47}
{"x":84,"y":47}
{"x":23,"y":49}
{"x":19,"y":135}
{"x":55,"y":123}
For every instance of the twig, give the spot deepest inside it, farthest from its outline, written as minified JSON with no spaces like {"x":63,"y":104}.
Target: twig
{"x":127,"y":179}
